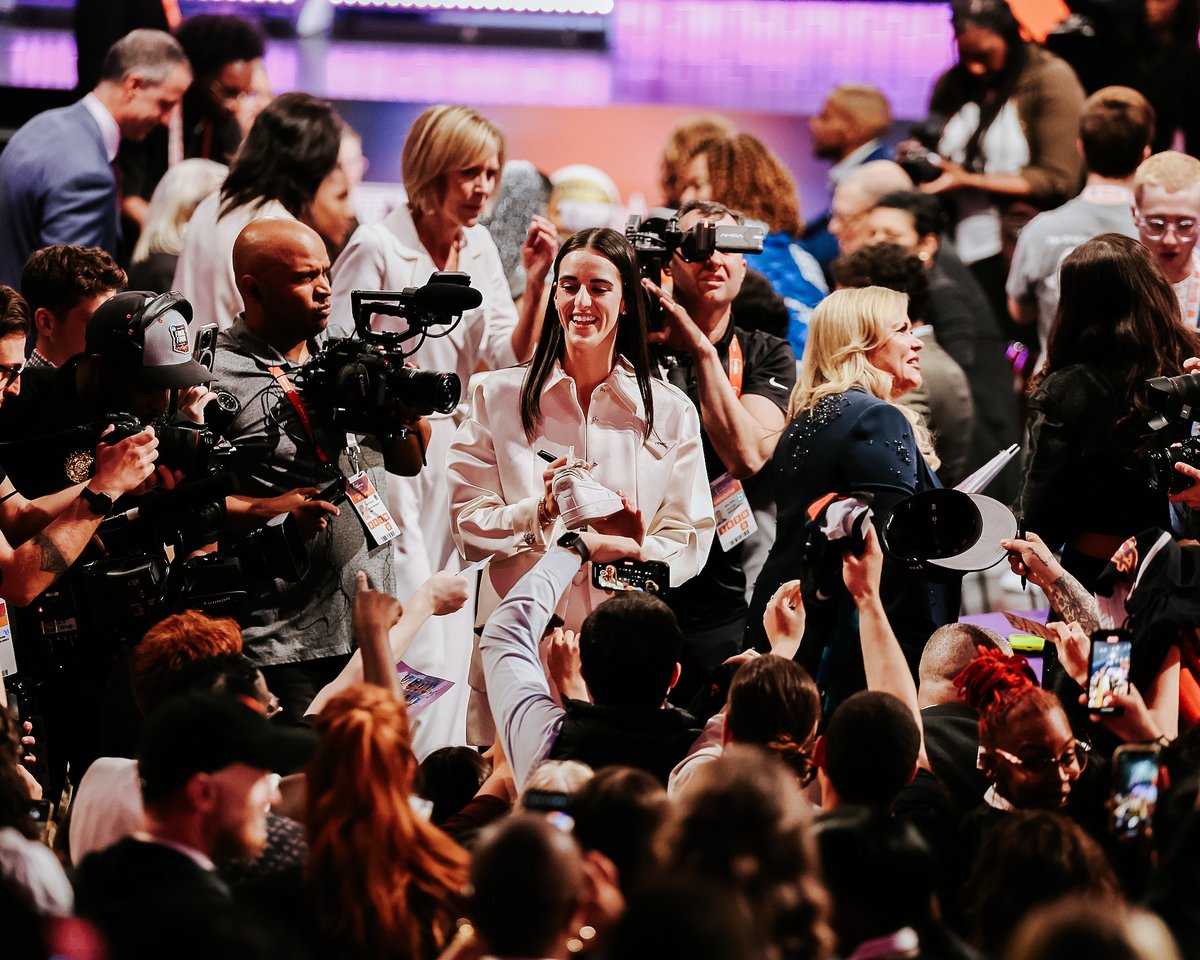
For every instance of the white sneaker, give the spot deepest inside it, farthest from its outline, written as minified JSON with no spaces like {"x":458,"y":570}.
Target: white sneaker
{"x":581,"y":498}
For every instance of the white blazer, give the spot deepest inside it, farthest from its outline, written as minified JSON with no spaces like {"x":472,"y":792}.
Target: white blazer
{"x":494,"y":475}
{"x":390,"y":256}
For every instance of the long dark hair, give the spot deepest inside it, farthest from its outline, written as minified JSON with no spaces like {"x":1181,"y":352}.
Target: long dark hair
{"x":631,"y":327}
{"x":1118,"y":314}
{"x":291,"y":148}
{"x":996,"y":17}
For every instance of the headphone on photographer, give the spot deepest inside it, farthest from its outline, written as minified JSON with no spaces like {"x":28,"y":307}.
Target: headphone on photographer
{"x":121,"y":338}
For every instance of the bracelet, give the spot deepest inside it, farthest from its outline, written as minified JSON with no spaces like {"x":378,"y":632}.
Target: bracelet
{"x":544,"y":519}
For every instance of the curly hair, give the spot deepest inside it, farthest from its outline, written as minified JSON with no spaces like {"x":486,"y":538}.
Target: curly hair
{"x":383,"y":882}
{"x":744,"y":824}
{"x":1002,"y":688}
{"x":746,"y":175}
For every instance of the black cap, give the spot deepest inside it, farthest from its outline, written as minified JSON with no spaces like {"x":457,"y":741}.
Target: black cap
{"x":948,"y":529}
{"x":205,"y":732}
{"x":148,"y":331}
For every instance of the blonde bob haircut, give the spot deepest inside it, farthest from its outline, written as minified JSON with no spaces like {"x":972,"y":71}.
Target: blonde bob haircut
{"x":442,"y":139}
{"x":845,"y":328}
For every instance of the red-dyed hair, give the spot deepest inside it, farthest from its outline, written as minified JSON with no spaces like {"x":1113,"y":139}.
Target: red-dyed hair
{"x":172,"y":644}
{"x":383,"y":881}
{"x":1001,"y":688}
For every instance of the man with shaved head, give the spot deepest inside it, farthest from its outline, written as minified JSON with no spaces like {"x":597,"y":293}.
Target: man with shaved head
{"x":288,"y":461}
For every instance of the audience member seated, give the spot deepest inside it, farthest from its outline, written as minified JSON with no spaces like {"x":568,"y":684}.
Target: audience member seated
{"x":744,"y":826}
{"x":207,"y":765}
{"x":174,"y":201}
{"x":846,"y":132}
{"x":629,"y":659}
{"x":290,"y":152}
{"x":1166,"y":209}
{"x":745,"y":175}
{"x":943,"y":400}
{"x":1115,"y":130}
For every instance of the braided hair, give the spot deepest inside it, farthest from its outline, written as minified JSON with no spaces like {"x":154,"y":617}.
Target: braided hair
{"x":1002,"y":688}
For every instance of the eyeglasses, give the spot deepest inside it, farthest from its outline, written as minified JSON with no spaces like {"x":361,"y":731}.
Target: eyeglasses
{"x":10,"y":373}
{"x":1155,"y":228}
{"x":1074,"y":759}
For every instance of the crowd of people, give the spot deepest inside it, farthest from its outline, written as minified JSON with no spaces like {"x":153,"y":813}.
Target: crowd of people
{"x":565,"y":614}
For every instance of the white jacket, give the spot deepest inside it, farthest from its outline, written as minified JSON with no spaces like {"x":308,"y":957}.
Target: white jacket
{"x":390,"y":256}
{"x":494,"y":475}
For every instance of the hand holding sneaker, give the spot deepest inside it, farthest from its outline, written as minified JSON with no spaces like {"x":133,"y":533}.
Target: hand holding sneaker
{"x":580,"y":498}
{"x":627,"y":522}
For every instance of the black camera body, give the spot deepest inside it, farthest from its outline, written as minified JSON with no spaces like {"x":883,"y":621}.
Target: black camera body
{"x":1176,"y":399}
{"x":361,"y":385}
{"x":657,"y":239}
{"x":192,"y":448}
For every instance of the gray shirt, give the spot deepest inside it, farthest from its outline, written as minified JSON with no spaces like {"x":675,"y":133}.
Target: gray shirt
{"x":293,"y":622}
{"x":1044,"y":244}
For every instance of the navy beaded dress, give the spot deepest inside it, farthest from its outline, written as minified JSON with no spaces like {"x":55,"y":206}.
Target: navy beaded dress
{"x":849,"y":442}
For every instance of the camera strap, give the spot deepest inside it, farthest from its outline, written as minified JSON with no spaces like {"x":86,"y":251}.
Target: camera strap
{"x":293,"y":395}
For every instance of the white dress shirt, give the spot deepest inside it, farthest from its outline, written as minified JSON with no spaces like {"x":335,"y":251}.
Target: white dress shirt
{"x":390,"y":256}
{"x":110,"y":132}
{"x":494,"y":475}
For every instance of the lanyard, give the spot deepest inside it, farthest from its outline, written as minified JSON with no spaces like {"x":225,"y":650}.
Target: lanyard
{"x":1189,"y":296}
{"x":289,"y":391}
{"x":736,"y":365}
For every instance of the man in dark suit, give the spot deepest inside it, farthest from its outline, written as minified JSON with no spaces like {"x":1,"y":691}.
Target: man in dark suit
{"x":57,"y":183}
{"x":206,"y":763}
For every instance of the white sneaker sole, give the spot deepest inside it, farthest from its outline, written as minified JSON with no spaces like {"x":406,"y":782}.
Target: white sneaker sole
{"x":581,"y":516}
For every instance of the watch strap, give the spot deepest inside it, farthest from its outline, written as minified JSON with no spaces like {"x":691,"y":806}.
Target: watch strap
{"x":574,"y":541}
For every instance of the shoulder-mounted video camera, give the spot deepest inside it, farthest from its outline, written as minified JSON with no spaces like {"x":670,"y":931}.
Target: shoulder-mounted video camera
{"x":657,"y":239}
{"x":361,"y":385}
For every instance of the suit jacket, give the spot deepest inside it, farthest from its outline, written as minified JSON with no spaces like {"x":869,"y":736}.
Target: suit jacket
{"x":56,"y":186}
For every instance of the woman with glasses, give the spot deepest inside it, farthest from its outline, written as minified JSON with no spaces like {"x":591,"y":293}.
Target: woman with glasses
{"x":1027,"y":750}
{"x":1085,"y":488}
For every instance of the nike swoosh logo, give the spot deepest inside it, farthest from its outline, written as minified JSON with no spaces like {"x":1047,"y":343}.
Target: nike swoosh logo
{"x":775,"y":383}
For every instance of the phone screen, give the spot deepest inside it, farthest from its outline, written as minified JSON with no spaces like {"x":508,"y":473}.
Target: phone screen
{"x":1135,"y":790}
{"x":644,"y":576}
{"x":1108,"y":669}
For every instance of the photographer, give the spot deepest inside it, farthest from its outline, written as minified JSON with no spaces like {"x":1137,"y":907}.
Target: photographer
{"x":299,"y":633}
{"x":739,"y":381}
{"x":40,"y":539}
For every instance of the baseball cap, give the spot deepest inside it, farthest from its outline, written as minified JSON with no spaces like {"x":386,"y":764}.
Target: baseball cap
{"x":141,"y":329}
{"x":948,"y":529}
{"x":206,"y":732}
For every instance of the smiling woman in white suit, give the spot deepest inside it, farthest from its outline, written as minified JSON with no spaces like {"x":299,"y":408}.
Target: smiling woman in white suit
{"x":590,"y":393}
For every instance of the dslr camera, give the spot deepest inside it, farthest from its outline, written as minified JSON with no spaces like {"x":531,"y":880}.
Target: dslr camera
{"x":1176,"y":399}
{"x":361,"y":385}
{"x":657,"y":239}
